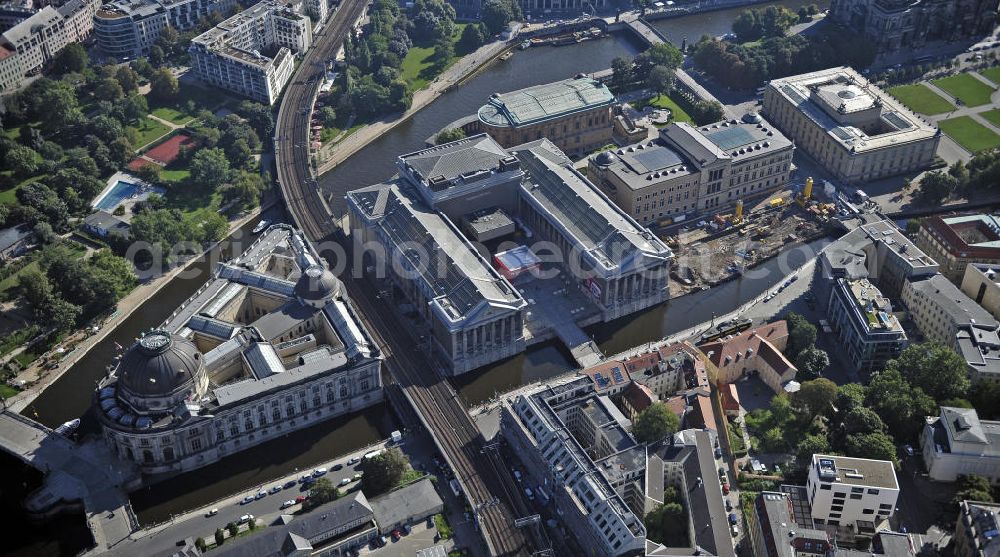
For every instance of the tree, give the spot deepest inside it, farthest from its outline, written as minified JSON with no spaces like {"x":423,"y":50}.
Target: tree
{"x":57,"y":106}
{"x":213,"y":228}
{"x":383,"y":472}
{"x":143,"y":67}
{"x":654,"y":423}
{"x":668,"y":524}
{"x":329,"y":117}
{"x":72,"y":58}
{"x":801,"y":334}
{"x":43,"y":231}
{"x":862,"y":420}
{"x":934,"y":368}
{"x":936,"y":186}
{"x":245,"y":188}
{"x":220,"y":536}
{"x":660,"y":80}
{"x":199,"y":542}
{"x":900,"y":405}
{"x":109,"y":90}
{"x":322,"y":491}
{"x":31,"y":137}
{"x":233,"y":529}
{"x":259,"y":116}
{"x":876,"y":445}
{"x":985,"y":398}
{"x":815,"y":396}
{"x":449,"y":135}
{"x":497,"y":14}
{"x":621,"y":73}
{"x":973,"y":488}
{"x":128,"y":78}
{"x":705,"y":112}
{"x":209,"y":168}
{"x":21,"y":160}
{"x":163,"y":85}
{"x":810,"y":445}
{"x":773,"y":441}
{"x":473,"y":37}
{"x":661,"y":54}
{"x":812,"y":361}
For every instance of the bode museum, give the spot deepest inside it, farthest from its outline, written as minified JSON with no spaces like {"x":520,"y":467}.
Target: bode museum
{"x":270,"y":345}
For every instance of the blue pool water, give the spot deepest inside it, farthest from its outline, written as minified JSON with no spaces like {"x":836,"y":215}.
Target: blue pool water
{"x":118,"y":193}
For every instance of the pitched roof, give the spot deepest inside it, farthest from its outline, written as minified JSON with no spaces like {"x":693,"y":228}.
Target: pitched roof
{"x":717,"y":351}
{"x":456,"y":158}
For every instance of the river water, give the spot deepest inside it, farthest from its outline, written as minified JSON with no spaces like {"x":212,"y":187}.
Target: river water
{"x":718,"y":23}
{"x":70,"y":396}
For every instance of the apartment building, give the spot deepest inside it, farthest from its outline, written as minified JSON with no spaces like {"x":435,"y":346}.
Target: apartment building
{"x":957,"y":442}
{"x":857,"y":493}
{"x":128,"y":28}
{"x":955,"y":242}
{"x":37,"y":40}
{"x":230,"y":55}
{"x":773,"y":531}
{"x":756,"y":351}
{"x":854,"y":129}
{"x":863,"y":321}
{"x":977,"y":530}
{"x":944,"y":313}
{"x":574,"y":114}
{"x":577,"y":443}
{"x":689,"y":171}
{"x":79,"y":16}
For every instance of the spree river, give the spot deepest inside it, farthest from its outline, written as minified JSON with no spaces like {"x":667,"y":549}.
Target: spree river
{"x":70,"y":396}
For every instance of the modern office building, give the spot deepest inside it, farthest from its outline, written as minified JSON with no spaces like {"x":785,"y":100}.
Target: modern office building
{"x":981,"y":282}
{"x":862,"y":319}
{"x":577,"y":444}
{"x":977,"y":530}
{"x":854,"y":129}
{"x":269,"y":346}
{"x":909,"y":25}
{"x":756,"y":351}
{"x":230,"y":54}
{"x":954,"y":242}
{"x":957,"y":442}
{"x":574,"y":114}
{"x":877,"y":251}
{"x":773,"y":531}
{"x":856,"y":493}
{"x":689,"y":171}
{"x":472,"y":314}
{"x":128,"y":28}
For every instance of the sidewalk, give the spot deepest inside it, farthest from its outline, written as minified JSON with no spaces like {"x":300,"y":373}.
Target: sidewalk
{"x":333,"y":154}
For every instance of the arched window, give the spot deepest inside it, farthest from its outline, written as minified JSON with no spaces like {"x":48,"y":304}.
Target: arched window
{"x":147,"y":456}
{"x":168,"y":453}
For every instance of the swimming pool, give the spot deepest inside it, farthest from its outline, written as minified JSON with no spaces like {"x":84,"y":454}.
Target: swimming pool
{"x":119,"y":192}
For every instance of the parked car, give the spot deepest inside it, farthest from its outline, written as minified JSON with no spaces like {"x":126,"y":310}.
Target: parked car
{"x":246,"y":518}
{"x":729,"y":505}
{"x":345,"y":481}
{"x":529,"y":493}
{"x":732,"y":518}
{"x":247,"y":499}
{"x":319,"y":472}
{"x":337,"y":466}
{"x":356,"y":477}
{"x":301,"y":498}
{"x":353,"y":460}
{"x":396,"y":535}
{"x":734,"y":530}
{"x":274,"y":489}
{"x":288,"y":503}
{"x":517,"y":474}
{"x":722,"y":472}
{"x":261,"y":494}
{"x":725,"y":489}
{"x":212,"y":512}
{"x":289,"y":484}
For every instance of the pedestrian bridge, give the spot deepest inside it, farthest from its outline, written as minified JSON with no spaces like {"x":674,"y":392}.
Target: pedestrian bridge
{"x":646,"y":32}
{"x":75,"y":475}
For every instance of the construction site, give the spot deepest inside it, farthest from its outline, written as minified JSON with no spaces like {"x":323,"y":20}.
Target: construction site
{"x":718,"y":249}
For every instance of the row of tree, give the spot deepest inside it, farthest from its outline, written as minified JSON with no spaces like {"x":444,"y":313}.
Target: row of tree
{"x":746,"y":66}
{"x":982,"y":172}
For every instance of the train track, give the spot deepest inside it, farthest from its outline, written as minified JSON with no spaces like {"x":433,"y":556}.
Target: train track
{"x":431,"y":396}
{"x":292,"y":142}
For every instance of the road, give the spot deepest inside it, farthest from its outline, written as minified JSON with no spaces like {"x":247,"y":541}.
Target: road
{"x":196,"y":522}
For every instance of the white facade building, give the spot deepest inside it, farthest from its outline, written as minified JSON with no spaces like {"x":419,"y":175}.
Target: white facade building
{"x":851,"y":492}
{"x":271,"y":345}
{"x":230,"y":55}
{"x":127,"y":28}
{"x":957,"y":442}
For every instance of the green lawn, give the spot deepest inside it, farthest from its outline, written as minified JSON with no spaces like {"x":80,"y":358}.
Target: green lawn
{"x":966,"y":88}
{"x":970,"y":134}
{"x":418,"y":68}
{"x":992,"y":74}
{"x":149,"y":131}
{"x":172,"y":115}
{"x":178,"y":175}
{"x":9,"y":195}
{"x":6,"y":391}
{"x":919,"y":98}
{"x":992,"y":116}
{"x":663,"y":101}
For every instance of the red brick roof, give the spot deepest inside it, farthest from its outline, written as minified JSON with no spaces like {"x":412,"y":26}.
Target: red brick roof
{"x":730,"y":398}
{"x":948,"y":234}
{"x":748,"y":339}
{"x":607,"y":373}
{"x":639,"y":397}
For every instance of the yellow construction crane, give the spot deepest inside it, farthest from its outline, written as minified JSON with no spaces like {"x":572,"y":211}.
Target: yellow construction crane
{"x":807,"y":192}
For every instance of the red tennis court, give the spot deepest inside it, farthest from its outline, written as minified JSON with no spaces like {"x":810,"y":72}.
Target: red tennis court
{"x":166,"y":152}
